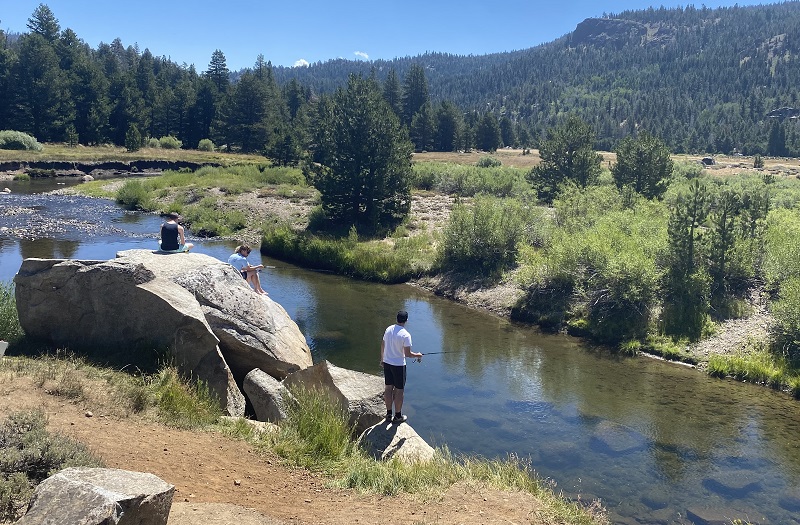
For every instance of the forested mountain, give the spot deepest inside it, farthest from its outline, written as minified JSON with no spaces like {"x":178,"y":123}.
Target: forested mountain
{"x":702,"y":80}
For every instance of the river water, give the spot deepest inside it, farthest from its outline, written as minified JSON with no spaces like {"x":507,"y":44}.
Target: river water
{"x":654,"y":441}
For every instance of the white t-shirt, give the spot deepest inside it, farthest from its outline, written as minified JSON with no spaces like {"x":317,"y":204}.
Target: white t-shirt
{"x":395,"y":339}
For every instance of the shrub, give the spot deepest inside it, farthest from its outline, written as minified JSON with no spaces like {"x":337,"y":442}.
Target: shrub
{"x":205,"y":145}
{"x":28,"y":455}
{"x":133,"y":196}
{"x":482,"y":238}
{"x":170,"y":142}
{"x":10,"y":330}
{"x":758,"y":162}
{"x":489,"y":162}
{"x":153,"y":142}
{"x":18,"y":140}
{"x":22,"y":177}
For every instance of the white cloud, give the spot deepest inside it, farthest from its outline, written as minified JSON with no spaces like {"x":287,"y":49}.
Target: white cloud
{"x":301,"y":63}
{"x":361,"y":54}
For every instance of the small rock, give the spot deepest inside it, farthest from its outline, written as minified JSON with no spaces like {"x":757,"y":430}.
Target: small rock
{"x":237,"y":482}
{"x":88,"y":413}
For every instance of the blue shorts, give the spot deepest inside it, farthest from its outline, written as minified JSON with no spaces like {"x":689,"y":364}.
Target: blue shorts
{"x":394,"y":375}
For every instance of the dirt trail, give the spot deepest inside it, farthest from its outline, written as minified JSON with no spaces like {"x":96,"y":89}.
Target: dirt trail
{"x":219,"y":480}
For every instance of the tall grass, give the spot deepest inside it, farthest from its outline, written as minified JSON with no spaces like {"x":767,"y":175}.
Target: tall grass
{"x":755,"y":363}
{"x":379,"y":261}
{"x":10,"y":329}
{"x":183,"y":404}
{"x":318,"y":438}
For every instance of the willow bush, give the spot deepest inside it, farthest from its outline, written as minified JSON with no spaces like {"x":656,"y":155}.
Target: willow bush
{"x":483,"y":237}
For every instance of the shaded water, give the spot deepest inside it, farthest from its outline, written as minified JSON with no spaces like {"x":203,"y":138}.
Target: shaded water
{"x":651,"y":439}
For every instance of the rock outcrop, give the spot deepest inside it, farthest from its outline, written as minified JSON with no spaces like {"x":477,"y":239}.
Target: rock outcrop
{"x":254,"y":331}
{"x":99,"y":496}
{"x":385,"y":441}
{"x":216,"y":327}
{"x":359,"y":394}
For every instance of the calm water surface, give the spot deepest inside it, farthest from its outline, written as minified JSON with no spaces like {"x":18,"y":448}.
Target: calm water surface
{"x":650,"y":439}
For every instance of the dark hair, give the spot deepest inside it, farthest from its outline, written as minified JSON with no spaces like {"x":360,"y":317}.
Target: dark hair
{"x":402,"y":316}
{"x":174,"y":216}
{"x":243,"y":248}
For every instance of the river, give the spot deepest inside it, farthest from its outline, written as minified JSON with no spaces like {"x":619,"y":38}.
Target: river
{"x":652,"y":440}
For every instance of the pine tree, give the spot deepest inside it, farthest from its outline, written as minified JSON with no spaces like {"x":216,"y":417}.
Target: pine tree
{"x":643,"y":164}
{"x":44,"y":23}
{"x":218,"y":71}
{"x":567,"y":155}
{"x":415,"y":92}
{"x":364,"y":158}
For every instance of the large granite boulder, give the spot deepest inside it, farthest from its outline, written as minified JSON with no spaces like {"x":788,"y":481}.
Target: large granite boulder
{"x":89,"y":496}
{"x":217,"y":328}
{"x":359,"y":394}
{"x":267,"y":395}
{"x":386,"y":440}
{"x":254,"y":331}
{"x":118,"y":306}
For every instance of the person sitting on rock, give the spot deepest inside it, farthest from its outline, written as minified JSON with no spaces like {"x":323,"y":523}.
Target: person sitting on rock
{"x":172,"y":237}
{"x":249,"y":272}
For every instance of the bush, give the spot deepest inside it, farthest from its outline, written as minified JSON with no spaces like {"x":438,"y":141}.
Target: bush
{"x":483,"y":238}
{"x":758,"y":162}
{"x":153,"y":142}
{"x":28,"y":455}
{"x":10,"y":330}
{"x":133,"y":196}
{"x":170,"y":142}
{"x":205,"y":145}
{"x":18,"y":140}
{"x":489,"y":162}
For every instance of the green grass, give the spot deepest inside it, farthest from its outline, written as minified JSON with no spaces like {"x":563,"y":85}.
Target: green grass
{"x":374,"y":260}
{"x":28,"y":455}
{"x":52,"y":151}
{"x":318,"y":438}
{"x":10,"y":330}
{"x":755,"y":363}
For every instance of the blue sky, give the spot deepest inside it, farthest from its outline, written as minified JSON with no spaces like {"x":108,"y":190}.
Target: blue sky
{"x":288,"y":33}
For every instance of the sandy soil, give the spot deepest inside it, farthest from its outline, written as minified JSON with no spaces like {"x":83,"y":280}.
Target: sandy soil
{"x":219,"y":480}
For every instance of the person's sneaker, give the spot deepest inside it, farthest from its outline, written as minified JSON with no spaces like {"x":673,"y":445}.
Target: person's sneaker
{"x":398,"y":418}
{"x":388,"y":416}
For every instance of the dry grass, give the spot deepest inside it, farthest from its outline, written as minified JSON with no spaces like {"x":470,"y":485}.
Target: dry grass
{"x":62,"y":152}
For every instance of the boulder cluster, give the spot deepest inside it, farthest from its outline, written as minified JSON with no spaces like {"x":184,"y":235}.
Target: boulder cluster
{"x":214,"y":327}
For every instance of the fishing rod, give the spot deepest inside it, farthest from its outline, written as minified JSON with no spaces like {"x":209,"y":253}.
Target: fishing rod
{"x":445,"y":352}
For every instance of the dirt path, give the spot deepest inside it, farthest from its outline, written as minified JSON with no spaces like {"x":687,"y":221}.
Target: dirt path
{"x":222,"y":480}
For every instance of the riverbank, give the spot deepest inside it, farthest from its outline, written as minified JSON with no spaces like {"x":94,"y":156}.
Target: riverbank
{"x":429,"y":215}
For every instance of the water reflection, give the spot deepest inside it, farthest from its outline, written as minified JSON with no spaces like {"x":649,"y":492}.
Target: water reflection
{"x":651,"y":439}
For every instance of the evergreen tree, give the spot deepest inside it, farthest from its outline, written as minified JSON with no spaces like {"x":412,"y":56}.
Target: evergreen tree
{"x":687,"y":285}
{"x":44,"y":23}
{"x":392,"y":93}
{"x":449,"y":128}
{"x":776,"y":145}
{"x":643,"y":164}
{"x":218,"y":71}
{"x":133,"y":139}
{"x":365,"y":159}
{"x":415,"y":92}
{"x":487,"y":134}
{"x":507,"y":132}
{"x":567,"y":155}
{"x":423,"y":128}
{"x":42,"y":107}
{"x":248,"y":114}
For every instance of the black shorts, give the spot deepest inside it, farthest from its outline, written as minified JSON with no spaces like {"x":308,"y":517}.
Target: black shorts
{"x":244,"y":274}
{"x":394,"y":375}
